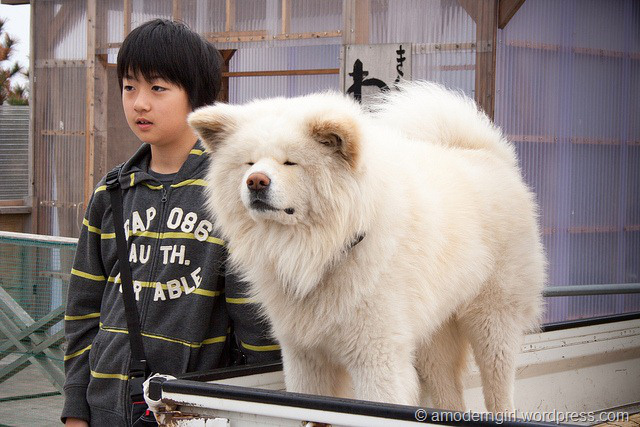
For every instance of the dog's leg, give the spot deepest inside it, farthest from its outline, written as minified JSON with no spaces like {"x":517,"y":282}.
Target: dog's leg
{"x":440,"y":363}
{"x":309,"y":372}
{"x":384,"y":372}
{"x":495,"y":336}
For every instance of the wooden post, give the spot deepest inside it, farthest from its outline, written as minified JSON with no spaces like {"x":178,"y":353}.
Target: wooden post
{"x":230,"y":15}
{"x":227,"y":54}
{"x":90,"y":92}
{"x":176,"y":10}
{"x":286,"y":17}
{"x":348,"y":14}
{"x":126,"y":11}
{"x":485,"y":14}
{"x":355,"y":15}
{"x":362,"y":21}
{"x":486,"y":37}
{"x":100,"y":114}
{"x":96,"y":108}
{"x":33,"y":226}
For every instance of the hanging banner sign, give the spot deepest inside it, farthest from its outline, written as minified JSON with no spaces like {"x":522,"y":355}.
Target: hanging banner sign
{"x":366,"y":70}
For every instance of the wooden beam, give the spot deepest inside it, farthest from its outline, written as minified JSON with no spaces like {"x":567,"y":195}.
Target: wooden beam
{"x":260,"y":35}
{"x":230,"y":15}
{"x":355,"y":15}
{"x":16,"y":202}
{"x":90,"y":92}
{"x":100,"y":114}
{"x":96,"y":105}
{"x":471,"y":7}
{"x":506,"y":10}
{"x":227,"y":54}
{"x":362,"y":21}
{"x":485,"y":15}
{"x":53,"y":132}
{"x":299,"y":36}
{"x":127,"y":18}
{"x":486,"y":37}
{"x":286,"y":17}
{"x":348,"y":18}
{"x":176,"y":10}
{"x":34,"y":94}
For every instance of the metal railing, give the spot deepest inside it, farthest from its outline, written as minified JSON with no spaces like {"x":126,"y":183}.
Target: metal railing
{"x":34,"y":278}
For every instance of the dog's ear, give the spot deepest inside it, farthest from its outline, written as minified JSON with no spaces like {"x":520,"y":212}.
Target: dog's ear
{"x":213,"y":124}
{"x":342,"y":134}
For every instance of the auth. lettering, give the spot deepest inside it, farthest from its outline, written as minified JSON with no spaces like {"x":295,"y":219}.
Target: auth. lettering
{"x":174,"y":253}
{"x":139,"y":253}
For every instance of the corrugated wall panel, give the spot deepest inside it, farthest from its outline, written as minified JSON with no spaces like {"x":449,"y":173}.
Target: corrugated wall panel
{"x":243,"y":89}
{"x":14,"y":152}
{"x":430,"y":22}
{"x":112,"y":20}
{"x":315,"y":16}
{"x":59,"y":109}
{"x":565,"y":96}
{"x":204,"y":16}
{"x":144,"y":10}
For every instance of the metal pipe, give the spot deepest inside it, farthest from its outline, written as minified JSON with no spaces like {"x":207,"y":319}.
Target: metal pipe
{"x":580,"y":290}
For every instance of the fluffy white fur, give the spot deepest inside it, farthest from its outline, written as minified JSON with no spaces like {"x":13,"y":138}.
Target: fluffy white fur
{"x":451,"y":254}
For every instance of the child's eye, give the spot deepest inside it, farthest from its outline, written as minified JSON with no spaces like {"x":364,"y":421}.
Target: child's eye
{"x":127,"y":88}
{"x":158,"y":88}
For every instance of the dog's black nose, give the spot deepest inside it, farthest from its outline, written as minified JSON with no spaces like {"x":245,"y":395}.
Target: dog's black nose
{"x":258,"y":181}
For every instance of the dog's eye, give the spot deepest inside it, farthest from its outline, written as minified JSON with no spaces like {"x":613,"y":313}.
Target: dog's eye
{"x":288,"y":163}
{"x":249,"y":163}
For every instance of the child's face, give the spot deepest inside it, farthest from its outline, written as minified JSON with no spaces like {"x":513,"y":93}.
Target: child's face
{"x":156,"y":111}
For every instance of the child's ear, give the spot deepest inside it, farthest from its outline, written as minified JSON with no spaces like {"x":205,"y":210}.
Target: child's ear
{"x":213,"y":124}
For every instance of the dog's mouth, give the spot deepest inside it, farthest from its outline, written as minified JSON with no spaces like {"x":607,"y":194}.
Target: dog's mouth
{"x":259,"y":205}
{"x":262,"y":206}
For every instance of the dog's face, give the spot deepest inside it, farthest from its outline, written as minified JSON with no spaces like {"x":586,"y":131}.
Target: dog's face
{"x":279,"y":159}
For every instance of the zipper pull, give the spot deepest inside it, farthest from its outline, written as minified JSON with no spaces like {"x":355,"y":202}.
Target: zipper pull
{"x":164,"y":195}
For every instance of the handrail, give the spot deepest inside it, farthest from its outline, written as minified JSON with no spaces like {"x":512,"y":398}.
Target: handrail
{"x":581,"y":290}
{"x":38,"y":238}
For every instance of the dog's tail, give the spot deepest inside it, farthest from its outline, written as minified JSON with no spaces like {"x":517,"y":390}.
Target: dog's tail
{"x":430,"y":112}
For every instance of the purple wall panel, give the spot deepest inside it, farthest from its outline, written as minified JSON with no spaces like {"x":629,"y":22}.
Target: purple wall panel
{"x":567,"y":95}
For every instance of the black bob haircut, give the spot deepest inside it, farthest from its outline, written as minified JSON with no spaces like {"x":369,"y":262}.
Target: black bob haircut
{"x":171,"y":51}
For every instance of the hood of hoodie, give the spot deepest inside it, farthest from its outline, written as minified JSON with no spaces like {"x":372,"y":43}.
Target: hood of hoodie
{"x":136,"y":169}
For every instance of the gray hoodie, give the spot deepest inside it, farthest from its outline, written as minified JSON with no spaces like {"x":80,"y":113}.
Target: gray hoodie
{"x":183,"y":295}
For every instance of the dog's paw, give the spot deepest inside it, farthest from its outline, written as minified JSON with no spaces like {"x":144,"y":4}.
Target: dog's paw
{"x":155,"y":405}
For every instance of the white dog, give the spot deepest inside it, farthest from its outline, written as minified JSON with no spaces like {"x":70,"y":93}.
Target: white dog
{"x":380,"y":244}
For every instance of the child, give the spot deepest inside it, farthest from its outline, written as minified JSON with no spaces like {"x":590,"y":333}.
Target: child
{"x":165,"y":71}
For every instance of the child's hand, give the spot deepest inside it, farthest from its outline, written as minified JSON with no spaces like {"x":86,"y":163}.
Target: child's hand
{"x":76,"y":422}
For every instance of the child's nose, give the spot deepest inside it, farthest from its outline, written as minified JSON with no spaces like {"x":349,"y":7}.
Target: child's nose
{"x":141,"y":103}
